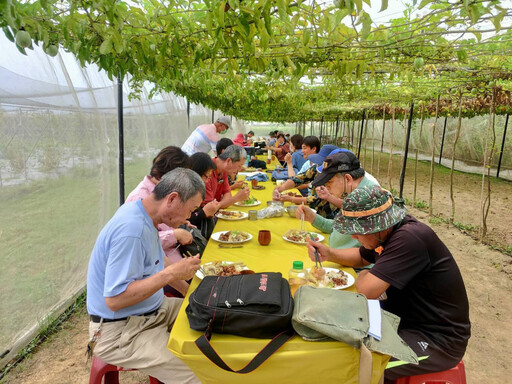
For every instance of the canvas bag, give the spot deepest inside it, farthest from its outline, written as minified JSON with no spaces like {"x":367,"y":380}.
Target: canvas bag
{"x":256,"y":305}
{"x":322,"y":314}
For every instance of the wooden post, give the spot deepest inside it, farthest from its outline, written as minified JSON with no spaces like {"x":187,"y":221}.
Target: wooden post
{"x":422,"y":117}
{"x":442,"y":140}
{"x":390,"y":163}
{"x":407,"y":138}
{"x":455,"y":141}
{"x":502,"y":147}
{"x":431,"y":186}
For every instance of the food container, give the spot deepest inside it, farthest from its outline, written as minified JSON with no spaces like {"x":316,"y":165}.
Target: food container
{"x":292,"y":209}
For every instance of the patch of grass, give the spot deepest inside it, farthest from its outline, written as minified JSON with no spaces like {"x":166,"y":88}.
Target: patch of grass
{"x":420,"y":204}
{"x":465,"y":227}
{"x":53,"y":325}
{"x":437,"y":220}
{"x":47,"y":229}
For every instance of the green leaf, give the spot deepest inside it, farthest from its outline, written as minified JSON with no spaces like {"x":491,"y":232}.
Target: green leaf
{"x":306,"y":36}
{"x":384,"y":5}
{"x":106,"y":46}
{"x":220,"y":14}
{"x":8,"y":33}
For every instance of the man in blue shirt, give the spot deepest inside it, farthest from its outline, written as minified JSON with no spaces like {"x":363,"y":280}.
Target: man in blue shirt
{"x":130,"y":318}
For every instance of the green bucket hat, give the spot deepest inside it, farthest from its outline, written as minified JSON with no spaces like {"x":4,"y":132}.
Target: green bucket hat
{"x":369,"y":210}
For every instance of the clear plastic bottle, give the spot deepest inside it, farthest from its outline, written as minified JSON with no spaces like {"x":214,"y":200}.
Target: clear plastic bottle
{"x":296,"y":276}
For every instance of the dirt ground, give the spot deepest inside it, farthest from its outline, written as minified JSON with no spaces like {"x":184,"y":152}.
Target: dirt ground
{"x":487,"y":275}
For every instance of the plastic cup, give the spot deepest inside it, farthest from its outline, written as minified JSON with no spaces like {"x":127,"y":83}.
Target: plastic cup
{"x":253,"y":215}
{"x":264,"y":237}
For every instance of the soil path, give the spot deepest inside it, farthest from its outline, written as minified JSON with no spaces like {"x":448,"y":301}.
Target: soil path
{"x":487,"y":275}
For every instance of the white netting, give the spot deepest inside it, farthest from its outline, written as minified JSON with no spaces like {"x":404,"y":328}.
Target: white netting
{"x":59,"y":175}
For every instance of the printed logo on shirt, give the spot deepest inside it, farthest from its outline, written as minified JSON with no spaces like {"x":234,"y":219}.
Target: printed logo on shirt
{"x":423,"y":345}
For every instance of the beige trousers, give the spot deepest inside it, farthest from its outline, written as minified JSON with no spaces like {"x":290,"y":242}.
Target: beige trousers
{"x":141,"y":343}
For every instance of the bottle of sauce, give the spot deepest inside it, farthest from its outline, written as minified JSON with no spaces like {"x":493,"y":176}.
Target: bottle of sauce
{"x":296,"y":276}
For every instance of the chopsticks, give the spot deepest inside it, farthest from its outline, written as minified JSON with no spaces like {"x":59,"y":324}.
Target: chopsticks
{"x":302,"y":218}
{"x":188,"y":254}
{"x":317,"y":256}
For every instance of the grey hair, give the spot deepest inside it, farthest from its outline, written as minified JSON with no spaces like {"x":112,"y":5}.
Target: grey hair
{"x":184,"y":181}
{"x":356,"y":173}
{"x":233,"y":152}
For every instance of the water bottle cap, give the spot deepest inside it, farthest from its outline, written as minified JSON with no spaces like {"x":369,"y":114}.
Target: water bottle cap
{"x":298,"y":265}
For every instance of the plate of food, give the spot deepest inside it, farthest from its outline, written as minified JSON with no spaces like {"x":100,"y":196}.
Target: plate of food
{"x":300,"y":237}
{"x":231,"y":237}
{"x":250,"y":202}
{"x":231,"y":215}
{"x":223,"y":268}
{"x":329,"y":278}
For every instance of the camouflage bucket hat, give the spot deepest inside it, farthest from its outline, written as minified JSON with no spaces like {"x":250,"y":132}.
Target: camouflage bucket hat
{"x":369,"y":210}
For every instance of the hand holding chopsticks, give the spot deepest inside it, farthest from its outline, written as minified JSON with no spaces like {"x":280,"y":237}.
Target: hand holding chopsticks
{"x":317,"y":256}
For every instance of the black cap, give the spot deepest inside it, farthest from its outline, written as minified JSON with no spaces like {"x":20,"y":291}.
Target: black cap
{"x":340,"y":162}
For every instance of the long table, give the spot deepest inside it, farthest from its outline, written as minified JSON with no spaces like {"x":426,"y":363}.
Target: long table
{"x":298,"y":361}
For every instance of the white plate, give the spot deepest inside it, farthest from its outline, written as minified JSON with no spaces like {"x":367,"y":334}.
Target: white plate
{"x":242,"y":216}
{"x":201,"y":276}
{"x":215,"y":236}
{"x":241,"y":204}
{"x":350,"y":279}
{"x":320,"y":238}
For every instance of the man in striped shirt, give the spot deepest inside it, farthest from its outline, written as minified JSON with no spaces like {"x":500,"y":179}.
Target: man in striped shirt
{"x":204,"y":138}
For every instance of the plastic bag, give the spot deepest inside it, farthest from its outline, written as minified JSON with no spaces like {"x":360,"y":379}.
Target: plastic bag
{"x":273,"y":210}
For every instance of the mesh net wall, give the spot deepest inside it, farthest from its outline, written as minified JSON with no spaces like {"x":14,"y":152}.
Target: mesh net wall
{"x":59,"y":175}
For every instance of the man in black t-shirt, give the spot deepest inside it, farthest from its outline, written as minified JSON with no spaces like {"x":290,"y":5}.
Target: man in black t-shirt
{"x":414,"y":269}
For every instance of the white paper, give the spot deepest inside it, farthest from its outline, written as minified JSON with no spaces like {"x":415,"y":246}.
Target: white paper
{"x":375,"y":316}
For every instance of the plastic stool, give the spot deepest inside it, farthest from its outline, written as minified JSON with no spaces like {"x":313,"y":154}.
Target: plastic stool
{"x":100,"y":370}
{"x":456,"y":375}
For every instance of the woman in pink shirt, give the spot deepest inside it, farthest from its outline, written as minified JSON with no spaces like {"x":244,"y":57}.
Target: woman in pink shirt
{"x":169,"y":158}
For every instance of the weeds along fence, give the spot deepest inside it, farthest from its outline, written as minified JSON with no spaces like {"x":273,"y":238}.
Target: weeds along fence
{"x":475,"y":151}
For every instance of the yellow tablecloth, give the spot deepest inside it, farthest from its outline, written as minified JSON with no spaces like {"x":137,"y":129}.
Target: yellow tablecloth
{"x":298,"y":361}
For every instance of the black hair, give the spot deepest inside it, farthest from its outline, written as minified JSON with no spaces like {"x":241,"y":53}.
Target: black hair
{"x":297,"y":140}
{"x":201,"y":163}
{"x":169,"y":158}
{"x":223,"y":144}
{"x":312,"y":141}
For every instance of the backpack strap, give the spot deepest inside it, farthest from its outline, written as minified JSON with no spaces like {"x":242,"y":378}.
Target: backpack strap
{"x":203,"y":343}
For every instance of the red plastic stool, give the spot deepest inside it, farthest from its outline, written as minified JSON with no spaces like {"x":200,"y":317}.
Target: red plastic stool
{"x":456,"y":375}
{"x":100,"y":370}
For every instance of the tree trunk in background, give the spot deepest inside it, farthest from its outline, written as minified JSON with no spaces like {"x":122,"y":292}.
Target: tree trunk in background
{"x":488,"y":154}
{"x":390,"y":163}
{"x":431,"y":186}
{"x":422,"y":117}
{"x":381,"y":141}
{"x":457,"y":134}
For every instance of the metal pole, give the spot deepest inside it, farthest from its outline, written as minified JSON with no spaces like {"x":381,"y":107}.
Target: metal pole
{"x":120,"y":128}
{"x":213,"y":116}
{"x":321,"y":127}
{"x":361,"y":134}
{"x":337,"y":129}
{"x":502,"y":147}
{"x":408,"y":137}
{"x":188,"y":115}
{"x":442,"y":140}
